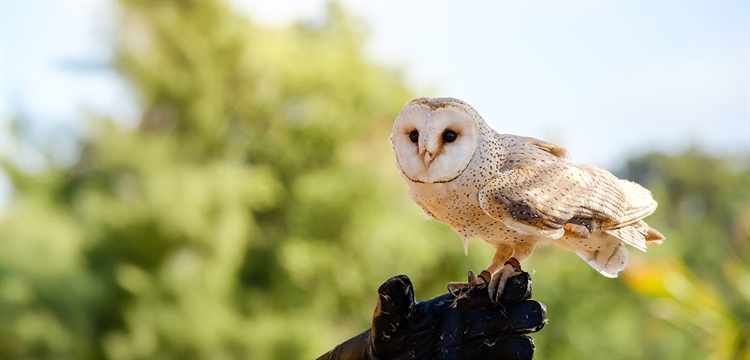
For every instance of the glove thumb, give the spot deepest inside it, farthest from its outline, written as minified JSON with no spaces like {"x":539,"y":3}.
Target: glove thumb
{"x":395,"y":304}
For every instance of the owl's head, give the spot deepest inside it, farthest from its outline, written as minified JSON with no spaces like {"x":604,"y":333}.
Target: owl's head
{"x":435,"y":139}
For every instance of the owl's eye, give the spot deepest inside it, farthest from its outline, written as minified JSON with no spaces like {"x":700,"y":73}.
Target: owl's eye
{"x":414,"y":136}
{"x":449,"y":136}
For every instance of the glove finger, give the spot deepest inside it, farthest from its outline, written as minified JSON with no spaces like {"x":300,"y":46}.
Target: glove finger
{"x":501,"y":347}
{"x":395,"y":303}
{"x":519,"y":318}
{"x":396,"y":296}
{"x":518,"y":288}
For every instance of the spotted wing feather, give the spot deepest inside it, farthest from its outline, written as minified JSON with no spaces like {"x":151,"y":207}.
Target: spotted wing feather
{"x":538,"y":192}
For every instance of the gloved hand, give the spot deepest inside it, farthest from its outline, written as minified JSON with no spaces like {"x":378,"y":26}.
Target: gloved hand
{"x":468,"y":326}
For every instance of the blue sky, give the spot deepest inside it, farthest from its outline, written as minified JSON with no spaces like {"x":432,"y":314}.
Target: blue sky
{"x":44,"y":45}
{"x":607,"y":80}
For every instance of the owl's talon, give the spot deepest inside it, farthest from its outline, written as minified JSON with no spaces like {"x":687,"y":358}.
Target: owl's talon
{"x":459,"y":289}
{"x":515,"y":263}
{"x":486,"y":276}
{"x":497,"y":284}
{"x":475,"y":280}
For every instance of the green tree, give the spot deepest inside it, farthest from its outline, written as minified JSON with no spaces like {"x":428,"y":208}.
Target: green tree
{"x":252,"y":213}
{"x":701,"y":283}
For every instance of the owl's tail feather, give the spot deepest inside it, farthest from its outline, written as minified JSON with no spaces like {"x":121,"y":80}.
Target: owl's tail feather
{"x":637,"y":235}
{"x":608,"y":262}
{"x":603,"y":252}
{"x":653,"y":236}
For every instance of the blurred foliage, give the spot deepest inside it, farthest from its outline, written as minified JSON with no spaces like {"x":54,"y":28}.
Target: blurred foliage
{"x":256,"y":209}
{"x":686,"y":299}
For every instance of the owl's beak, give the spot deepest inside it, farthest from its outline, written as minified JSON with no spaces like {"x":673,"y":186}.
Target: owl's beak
{"x":426,"y":153}
{"x":427,"y":158}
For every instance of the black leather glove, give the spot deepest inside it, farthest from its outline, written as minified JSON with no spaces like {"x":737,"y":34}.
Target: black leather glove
{"x":468,"y":326}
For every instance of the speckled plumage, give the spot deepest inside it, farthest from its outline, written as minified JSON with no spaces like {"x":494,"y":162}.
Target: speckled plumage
{"x":513,"y":192}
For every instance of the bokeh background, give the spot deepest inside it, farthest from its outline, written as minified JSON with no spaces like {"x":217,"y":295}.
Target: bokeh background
{"x":206,"y":179}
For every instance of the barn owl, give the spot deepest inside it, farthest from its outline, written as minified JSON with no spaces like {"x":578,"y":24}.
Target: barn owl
{"x":515,"y":192}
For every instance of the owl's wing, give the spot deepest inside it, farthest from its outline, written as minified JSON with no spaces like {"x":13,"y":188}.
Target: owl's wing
{"x":539,"y":193}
